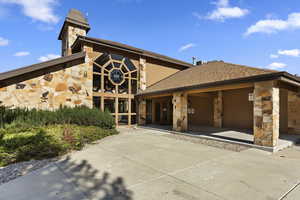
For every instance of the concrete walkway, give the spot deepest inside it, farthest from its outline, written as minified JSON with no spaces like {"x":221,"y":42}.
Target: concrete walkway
{"x":146,"y":165}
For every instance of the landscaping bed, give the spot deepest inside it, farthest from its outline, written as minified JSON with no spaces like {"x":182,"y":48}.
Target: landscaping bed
{"x":36,"y":135}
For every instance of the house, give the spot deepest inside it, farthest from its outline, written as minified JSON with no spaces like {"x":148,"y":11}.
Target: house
{"x":139,"y":86}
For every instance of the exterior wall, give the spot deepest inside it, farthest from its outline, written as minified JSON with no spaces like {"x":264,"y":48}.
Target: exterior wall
{"x":266,"y":114}
{"x":203,"y":110}
{"x":69,"y":87}
{"x":237,"y":109}
{"x":283,"y":119}
{"x":180,"y":116}
{"x":293,"y":112}
{"x":157,"y":72}
{"x":69,"y":37}
{"x":218,"y":110}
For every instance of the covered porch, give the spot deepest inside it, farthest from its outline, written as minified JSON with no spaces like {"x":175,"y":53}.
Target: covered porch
{"x":262,"y":113}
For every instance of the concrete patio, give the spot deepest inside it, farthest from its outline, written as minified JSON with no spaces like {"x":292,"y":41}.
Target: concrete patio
{"x":242,"y":137}
{"x":143,"y":164}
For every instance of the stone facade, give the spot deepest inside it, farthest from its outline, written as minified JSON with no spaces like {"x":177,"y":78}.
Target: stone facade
{"x":69,"y":87}
{"x":218,"y":110}
{"x":266,"y":114}
{"x":180,"y":111}
{"x":143,"y":80}
{"x":142,"y":112}
{"x":70,"y":37}
{"x":293,"y":112}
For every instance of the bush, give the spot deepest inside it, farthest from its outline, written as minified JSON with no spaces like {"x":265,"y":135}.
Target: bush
{"x":18,"y":144}
{"x":79,"y":115}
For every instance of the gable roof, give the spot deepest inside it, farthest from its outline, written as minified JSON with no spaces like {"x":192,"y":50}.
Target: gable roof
{"x":130,"y":49}
{"x":209,"y":74}
{"x":7,"y":78}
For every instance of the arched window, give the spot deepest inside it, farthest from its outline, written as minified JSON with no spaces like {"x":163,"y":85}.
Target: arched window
{"x":114,"y":84}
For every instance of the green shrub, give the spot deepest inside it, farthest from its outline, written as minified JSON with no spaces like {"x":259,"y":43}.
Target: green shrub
{"x":19,"y":144}
{"x":79,"y":115}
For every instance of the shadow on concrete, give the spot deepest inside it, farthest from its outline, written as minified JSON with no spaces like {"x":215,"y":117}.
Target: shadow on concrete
{"x":92,"y":183}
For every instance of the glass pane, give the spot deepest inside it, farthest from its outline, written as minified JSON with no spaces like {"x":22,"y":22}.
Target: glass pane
{"x":133,"y":86}
{"x":97,"y":102}
{"x":109,"y":67}
{"x":123,"y":89}
{"x":108,"y":86}
{"x":117,"y":65}
{"x":109,"y":105}
{"x":104,"y":58}
{"x":134,"y":75}
{"x":96,"y":83}
{"x":133,"y":106}
{"x":96,"y":68}
{"x":123,"y":106}
{"x":123,"y":119}
{"x":129,"y":64}
{"x":116,"y":57}
{"x":124,"y":70}
{"x":133,"y":119}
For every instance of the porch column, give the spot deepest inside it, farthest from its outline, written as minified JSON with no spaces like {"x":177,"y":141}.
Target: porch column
{"x":143,"y":78}
{"x":142,"y":112}
{"x":266,"y":114}
{"x":180,"y":115}
{"x":218,"y":110}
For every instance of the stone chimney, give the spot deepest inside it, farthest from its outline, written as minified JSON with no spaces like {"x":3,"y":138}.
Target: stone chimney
{"x":75,"y":24}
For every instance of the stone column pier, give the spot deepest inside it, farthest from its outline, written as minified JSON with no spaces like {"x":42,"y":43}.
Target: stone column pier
{"x":266,"y":114}
{"x":142,"y":112}
{"x":180,"y":114}
{"x":218,"y":110}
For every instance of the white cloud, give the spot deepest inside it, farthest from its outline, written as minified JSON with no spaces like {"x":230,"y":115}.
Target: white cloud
{"x":22,"y":53}
{"x":48,"y":57}
{"x":3,"y":41}
{"x":41,"y":10}
{"x":292,"y":52}
{"x":274,"y":56}
{"x":274,"y":25}
{"x":224,"y":11}
{"x":276,"y":65}
{"x":186,"y":47}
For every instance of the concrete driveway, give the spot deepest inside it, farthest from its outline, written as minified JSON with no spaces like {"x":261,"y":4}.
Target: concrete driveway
{"x":146,"y":164}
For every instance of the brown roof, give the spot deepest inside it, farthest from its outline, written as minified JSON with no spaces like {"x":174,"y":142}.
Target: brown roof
{"x":131,"y":49}
{"x":75,"y":17}
{"x":40,"y":68}
{"x":206,"y":75}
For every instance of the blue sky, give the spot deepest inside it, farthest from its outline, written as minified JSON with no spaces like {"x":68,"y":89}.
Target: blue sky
{"x":259,"y":33}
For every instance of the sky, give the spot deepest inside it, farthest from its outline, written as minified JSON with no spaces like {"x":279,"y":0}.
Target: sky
{"x":258,"y":33}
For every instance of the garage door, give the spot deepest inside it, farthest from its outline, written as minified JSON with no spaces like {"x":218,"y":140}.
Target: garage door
{"x":237,"y":109}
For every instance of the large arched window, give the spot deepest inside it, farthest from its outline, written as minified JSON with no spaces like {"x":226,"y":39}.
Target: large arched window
{"x":115,"y":81}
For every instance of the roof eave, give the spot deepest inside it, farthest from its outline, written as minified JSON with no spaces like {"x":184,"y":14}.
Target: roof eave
{"x":249,"y":79}
{"x":135,"y":51}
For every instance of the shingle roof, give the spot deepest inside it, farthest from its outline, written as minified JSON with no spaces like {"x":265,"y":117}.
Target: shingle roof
{"x":44,"y":67}
{"x":209,"y":73}
{"x":128,"y":48}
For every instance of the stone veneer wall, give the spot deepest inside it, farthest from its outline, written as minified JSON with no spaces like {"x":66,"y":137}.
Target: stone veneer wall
{"x":142,"y":68}
{"x":69,"y":87}
{"x":293,"y":112}
{"x":218,"y":110}
{"x":180,"y":114}
{"x":69,"y":38}
{"x":266,"y":114}
{"x":142,"y":112}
